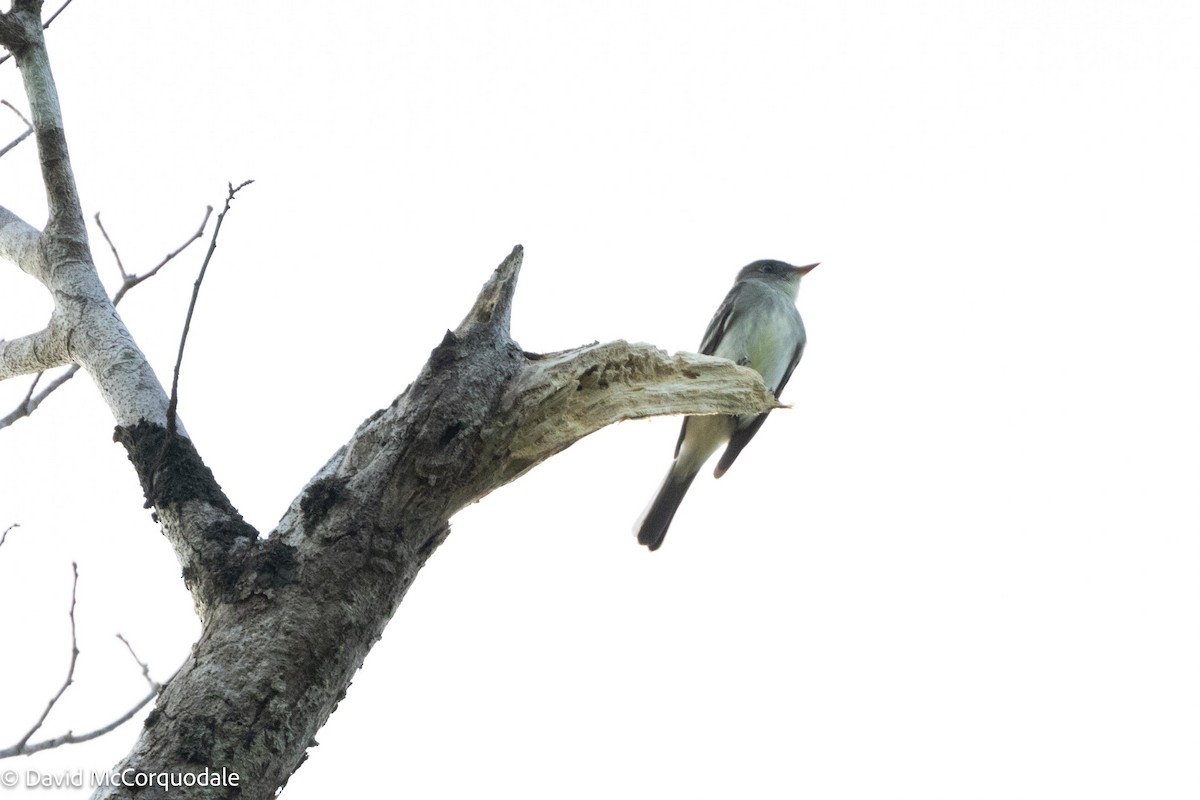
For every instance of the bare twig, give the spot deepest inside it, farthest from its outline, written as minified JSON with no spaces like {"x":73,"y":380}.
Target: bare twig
{"x":113,"y":247}
{"x":187,"y":323}
{"x":17,"y":111}
{"x":133,"y":280}
{"x":32,"y":386}
{"x":54,"y":16}
{"x":23,"y":748}
{"x":4,"y":535}
{"x":23,"y":136}
{"x":45,"y":25}
{"x":145,"y":669}
{"x":32,"y":401}
{"x":20,"y":746}
{"x":71,"y":738}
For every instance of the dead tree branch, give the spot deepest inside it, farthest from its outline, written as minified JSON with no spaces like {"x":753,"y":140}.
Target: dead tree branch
{"x":288,"y":618}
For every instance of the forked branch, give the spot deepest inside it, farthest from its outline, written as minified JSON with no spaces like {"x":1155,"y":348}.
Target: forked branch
{"x":128,"y":282}
{"x":45,"y":24}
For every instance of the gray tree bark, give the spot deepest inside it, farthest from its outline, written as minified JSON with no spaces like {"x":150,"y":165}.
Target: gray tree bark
{"x":288,"y":617}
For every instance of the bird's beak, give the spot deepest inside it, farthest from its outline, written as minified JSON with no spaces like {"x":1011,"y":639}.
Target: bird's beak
{"x":805,"y":270}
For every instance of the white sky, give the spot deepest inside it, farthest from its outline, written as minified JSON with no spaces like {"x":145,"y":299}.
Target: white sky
{"x":964,"y":566}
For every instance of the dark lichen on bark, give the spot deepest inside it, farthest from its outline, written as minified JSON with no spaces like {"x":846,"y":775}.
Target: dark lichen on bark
{"x":229,"y":530}
{"x":273,"y":565}
{"x":321,"y":496}
{"x":169,"y":468}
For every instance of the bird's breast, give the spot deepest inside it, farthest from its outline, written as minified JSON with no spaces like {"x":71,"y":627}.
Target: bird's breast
{"x":765,"y":340}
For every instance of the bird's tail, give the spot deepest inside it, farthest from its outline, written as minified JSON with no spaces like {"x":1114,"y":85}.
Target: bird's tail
{"x":652,"y":526}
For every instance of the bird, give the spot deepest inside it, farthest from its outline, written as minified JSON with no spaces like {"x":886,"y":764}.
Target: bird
{"x":757,"y":325}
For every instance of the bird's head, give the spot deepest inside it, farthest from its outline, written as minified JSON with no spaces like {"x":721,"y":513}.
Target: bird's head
{"x":778,"y":273}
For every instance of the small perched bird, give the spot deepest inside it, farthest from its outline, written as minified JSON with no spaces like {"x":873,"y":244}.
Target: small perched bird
{"x":757,"y":326}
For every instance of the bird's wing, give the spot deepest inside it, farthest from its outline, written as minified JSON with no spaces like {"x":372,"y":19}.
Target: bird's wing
{"x":742,"y":436}
{"x":718,"y":324}
{"x":708,"y":345}
{"x":787,"y":374}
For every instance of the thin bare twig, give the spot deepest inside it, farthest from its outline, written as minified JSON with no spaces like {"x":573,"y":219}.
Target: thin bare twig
{"x":145,"y":669}
{"x":187,"y":323}
{"x":17,"y":111}
{"x":32,"y":401}
{"x":32,"y":386}
{"x":112,"y":247}
{"x":23,"y":136}
{"x":54,"y":16}
{"x":23,"y":748}
{"x":71,"y":738}
{"x":133,"y":280}
{"x":45,"y":25}
{"x":70,"y":670}
{"x":4,"y":535}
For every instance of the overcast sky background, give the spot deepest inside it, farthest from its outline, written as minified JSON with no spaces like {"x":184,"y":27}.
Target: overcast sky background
{"x":963,"y":566}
